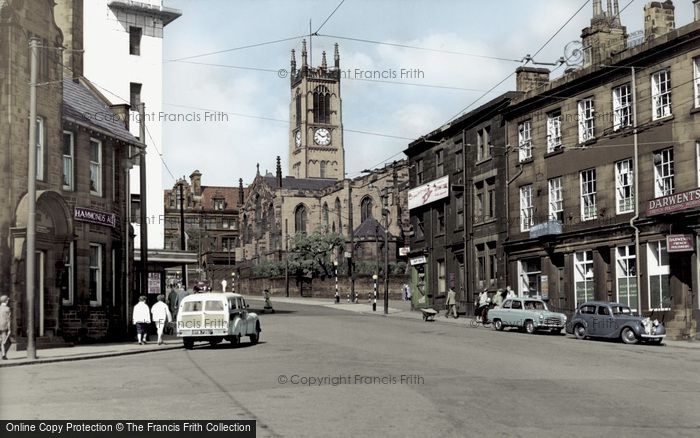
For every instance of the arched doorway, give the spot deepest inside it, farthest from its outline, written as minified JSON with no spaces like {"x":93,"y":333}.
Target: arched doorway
{"x":54,"y":234}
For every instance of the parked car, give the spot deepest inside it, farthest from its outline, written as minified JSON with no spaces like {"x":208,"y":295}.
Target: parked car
{"x":599,"y":319}
{"x":215,"y":316}
{"x":530,"y":314}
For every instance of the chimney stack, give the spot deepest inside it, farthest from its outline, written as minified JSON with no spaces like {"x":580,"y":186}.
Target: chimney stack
{"x":605,"y":36}
{"x":240,"y":191}
{"x":196,"y":181}
{"x":530,"y":78}
{"x":122,"y":111}
{"x":696,"y":8}
{"x":659,"y":19}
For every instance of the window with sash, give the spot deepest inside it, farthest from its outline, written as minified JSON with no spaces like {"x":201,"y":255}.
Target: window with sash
{"x":556,"y":200}
{"x":586,"y":120}
{"x":622,"y":107}
{"x":525,"y":140}
{"x":553,"y":131}
{"x":663,"y":173}
{"x":661,"y":94}
{"x":626,"y":273}
{"x":588,"y":195}
{"x":624,"y":190}
{"x":583,"y":276}
{"x":526,"y":208}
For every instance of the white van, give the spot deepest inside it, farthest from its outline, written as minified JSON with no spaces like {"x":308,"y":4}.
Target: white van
{"x":213,"y":317}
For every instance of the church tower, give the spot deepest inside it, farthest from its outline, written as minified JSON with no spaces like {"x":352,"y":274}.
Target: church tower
{"x":315,"y":119}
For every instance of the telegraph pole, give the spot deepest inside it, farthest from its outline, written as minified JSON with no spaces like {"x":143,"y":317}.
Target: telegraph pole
{"x":182,"y":233}
{"x":142,"y":200}
{"x":385,"y":213}
{"x":351,"y":271}
{"x":31,"y":195}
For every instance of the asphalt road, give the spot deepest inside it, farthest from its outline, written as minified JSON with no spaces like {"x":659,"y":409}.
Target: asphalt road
{"x":329,"y":373}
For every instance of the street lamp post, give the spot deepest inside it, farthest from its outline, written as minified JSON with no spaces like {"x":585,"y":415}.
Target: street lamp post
{"x":374,"y":300}
{"x":337,"y":292}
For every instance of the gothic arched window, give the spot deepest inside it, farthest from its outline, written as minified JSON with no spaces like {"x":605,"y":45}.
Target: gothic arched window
{"x":300,"y":219}
{"x":323,"y":165}
{"x":325,"y":215}
{"x":298,"y":108}
{"x":322,"y":105}
{"x":365,"y":208}
{"x":337,"y":213}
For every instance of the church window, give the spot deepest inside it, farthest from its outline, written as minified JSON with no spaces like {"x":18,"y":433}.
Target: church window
{"x":300,"y":219}
{"x":337,"y":213}
{"x":298,"y":107}
{"x":365,"y":208}
{"x":323,"y":167}
{"x":322,"y":105}
{"x":325,"y":215}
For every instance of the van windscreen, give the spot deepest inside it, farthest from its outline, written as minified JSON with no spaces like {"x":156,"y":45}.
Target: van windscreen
{"x":214,"y":305}
{"x":192,"y":306}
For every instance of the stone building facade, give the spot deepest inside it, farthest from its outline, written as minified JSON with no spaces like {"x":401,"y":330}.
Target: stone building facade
{"x":82,"y":157}
{"x":573,"y":199}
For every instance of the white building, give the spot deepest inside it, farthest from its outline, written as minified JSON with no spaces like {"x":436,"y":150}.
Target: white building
{"x":122,"y":44}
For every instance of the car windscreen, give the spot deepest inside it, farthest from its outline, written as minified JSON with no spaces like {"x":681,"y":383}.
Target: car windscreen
{"x":214,"y":305}
{"x":535,"y":305}
{"x":192,"y":306}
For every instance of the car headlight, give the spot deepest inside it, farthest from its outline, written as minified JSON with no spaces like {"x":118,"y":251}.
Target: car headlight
{"x":564,"y":318}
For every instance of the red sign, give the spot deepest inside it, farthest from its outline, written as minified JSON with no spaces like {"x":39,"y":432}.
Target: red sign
{"x":673,"y":203}
{"x":95,"y":217}
{"x":679,"y":243}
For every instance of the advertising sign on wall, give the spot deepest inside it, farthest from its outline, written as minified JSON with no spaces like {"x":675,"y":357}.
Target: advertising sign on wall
{"x":429,"y":192}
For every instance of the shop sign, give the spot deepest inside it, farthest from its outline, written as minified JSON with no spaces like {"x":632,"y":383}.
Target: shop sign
{"x":420,"y":260}
{"x":153,"y":283}
{"x":429,"y":192}
{"x":95,"y":217}
{"x":679,"y":243}
{"x":673,"y":203}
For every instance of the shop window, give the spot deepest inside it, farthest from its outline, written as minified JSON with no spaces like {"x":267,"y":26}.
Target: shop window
{"x":95,"y":275}
{"x":583,"y":276}
{"x":626,"y":272}
{"x":530,"y":271}
{"x":658,"y":270}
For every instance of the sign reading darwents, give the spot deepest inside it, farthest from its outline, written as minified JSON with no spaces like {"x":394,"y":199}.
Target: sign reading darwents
{"x":673,"y":203}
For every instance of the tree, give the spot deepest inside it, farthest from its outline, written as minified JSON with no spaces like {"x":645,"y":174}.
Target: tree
{"x":310,"y":255}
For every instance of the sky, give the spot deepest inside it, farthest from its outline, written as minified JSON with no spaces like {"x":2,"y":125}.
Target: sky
{"x":451,"y":66}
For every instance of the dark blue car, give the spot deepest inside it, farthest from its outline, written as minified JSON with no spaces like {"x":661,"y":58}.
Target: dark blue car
{"x":600,"y":319}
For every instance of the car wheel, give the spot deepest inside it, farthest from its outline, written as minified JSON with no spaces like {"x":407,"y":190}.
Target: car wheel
{"x":529,"y":327}
{"x":498,"y":325}
{"x":235,"y":340}
{"x":188,"y":343}
{"x":255,"y":338}
{"x":580,"y":331}
{"x":556,"y":331}
{"x":628,"y":336}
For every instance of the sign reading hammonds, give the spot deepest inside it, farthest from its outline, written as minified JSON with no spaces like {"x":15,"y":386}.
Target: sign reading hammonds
{"x":675,"y":202}
{"x":95,"y":217}
{"x":429,"y":192}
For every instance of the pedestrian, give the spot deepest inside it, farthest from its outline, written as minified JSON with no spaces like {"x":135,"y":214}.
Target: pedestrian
{"x":498,"y":298}
{"x":483,"y":308}
{"x":161,"y":316}
{"x":141,"y":318}
{"x":404,"y":292}
{"x":173,"y":301}
{"x":450,"y":303}
{"x":509,"y":292}
{"x":224,"y":283}
{"x":408,"y":292}
{"x":4,"y":325}
{"x":268,"y":303}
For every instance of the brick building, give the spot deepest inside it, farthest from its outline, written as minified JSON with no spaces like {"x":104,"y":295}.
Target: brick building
{"x":578,"y":191}
{"x":210,"y":216}
{"x":457,"y":207}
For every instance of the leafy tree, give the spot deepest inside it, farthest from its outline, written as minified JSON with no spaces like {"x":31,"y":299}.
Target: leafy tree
{"x":268,"y":269}
{"x":311,"y":255}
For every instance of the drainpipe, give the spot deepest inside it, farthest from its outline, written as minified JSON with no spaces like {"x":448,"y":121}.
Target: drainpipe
{"x":636,"y":192}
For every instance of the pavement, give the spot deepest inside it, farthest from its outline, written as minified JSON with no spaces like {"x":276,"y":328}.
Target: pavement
{"x":397,"y":309}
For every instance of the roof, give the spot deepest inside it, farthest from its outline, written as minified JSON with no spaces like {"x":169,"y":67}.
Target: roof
{"x":86,"y":108}
{"x":210,"y":296}
{"x":370,"y":228}
{"x":289,"y":182}
{"x":229,"y":194}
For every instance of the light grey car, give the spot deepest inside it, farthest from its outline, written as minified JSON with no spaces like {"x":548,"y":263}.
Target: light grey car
{"x":529,"y":314}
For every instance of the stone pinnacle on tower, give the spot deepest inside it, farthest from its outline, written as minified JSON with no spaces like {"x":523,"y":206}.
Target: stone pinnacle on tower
{"x":336,"y":56}
{"x":293,"y":65}
{"x":324,"y":65}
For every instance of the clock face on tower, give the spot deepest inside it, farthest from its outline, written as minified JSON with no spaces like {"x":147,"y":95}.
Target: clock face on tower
{"x":297,"y":138}
{"x":322,"y":137}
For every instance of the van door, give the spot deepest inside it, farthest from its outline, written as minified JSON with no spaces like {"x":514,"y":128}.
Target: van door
{"x":243,"y":314}
{"x":214,"y":315}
